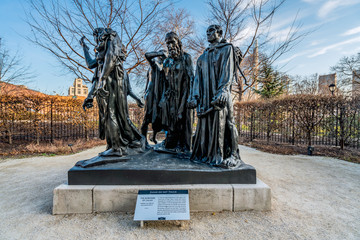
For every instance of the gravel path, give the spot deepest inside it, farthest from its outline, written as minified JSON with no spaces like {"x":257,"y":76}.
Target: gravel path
{"x":313,"y":198}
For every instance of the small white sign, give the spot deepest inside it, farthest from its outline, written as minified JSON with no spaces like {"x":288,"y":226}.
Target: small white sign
{"x":162,"y":205}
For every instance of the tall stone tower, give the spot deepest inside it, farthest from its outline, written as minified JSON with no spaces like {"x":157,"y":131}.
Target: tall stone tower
{"x":252,"y":78}
{"x":256,"y":65}
{"x":325,"y":81}
{"x":356,"y":83}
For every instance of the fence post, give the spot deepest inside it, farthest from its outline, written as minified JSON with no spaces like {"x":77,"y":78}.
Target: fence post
{"x":293,"y":128}
{"x":251,"y":125}
{"x":336,"y":124}
{"x":342,"y":137}
{"x":51,"y":123}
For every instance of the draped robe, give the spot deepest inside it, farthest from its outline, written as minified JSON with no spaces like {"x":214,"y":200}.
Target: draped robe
{"x":111,"y":94}
{"x":153,"y":95}
{"x":216,"y":138}
{"x":179,"y":76}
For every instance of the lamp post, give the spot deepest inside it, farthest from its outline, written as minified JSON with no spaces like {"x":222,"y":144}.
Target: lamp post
{"x":332,"y":88}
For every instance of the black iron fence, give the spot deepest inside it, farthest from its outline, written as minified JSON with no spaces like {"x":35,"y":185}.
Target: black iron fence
{"x":38,"y":118}
{"x":45,"y":118}
{"x":301,"y":119}
{"x":297,"y":119}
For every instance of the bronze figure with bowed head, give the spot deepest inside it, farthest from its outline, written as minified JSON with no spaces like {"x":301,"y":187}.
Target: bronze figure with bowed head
{"x":216,"y":138}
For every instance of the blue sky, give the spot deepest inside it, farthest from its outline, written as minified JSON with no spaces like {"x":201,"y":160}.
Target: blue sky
{"x":336,"y":24}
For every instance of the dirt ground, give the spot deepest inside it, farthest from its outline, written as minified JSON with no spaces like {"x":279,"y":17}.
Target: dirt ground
{"x":313,"y":198}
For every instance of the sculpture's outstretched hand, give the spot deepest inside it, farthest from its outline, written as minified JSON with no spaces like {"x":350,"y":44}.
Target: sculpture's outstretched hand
{"x":88,"y":103}
{"x":140,"y":103}
{"x":82,"y":42}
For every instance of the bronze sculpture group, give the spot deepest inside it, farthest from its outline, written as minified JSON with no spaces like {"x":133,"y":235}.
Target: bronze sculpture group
{"x":172,"y":92}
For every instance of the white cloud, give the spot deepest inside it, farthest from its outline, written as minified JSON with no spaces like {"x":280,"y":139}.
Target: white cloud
{"x":311,"y":1}
{"x":333,"y":46}
{"x":280,"y":35}
{"x":332,"y":5}
{"x":287,"y":60}
{"x":351,"y":31}
{"x":315,"y":42}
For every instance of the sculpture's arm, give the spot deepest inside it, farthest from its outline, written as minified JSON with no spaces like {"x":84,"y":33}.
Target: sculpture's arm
{"x":92,"y":89}
{"x":226,"y":67}
{"x":190,"y":73}
{"x":88,"y":102}
{"x":130,"y":92}
{"x":148,"y":77}
{"x":91,"y":63}
{"x":194,"y":94}
{"x":186,"y":85}
{"x":227,"y":70}
{"x":151,"y":55}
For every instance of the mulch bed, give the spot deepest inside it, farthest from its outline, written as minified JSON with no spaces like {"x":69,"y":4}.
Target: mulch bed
{"x":347,"y":154}
{"x":20,"y":149}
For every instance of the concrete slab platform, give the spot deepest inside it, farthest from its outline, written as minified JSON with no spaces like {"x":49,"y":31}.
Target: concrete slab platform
{"x":122,"y":198}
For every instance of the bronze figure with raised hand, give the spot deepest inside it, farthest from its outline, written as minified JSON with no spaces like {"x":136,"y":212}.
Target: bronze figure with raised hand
{"x":153,"y":92}
{"x":110,"y":86}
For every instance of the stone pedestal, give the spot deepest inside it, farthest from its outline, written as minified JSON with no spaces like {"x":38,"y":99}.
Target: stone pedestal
{"x":122,"y":198}
{"x":153,"y":168}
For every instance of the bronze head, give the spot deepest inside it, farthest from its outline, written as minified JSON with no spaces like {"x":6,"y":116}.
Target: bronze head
{"x":214,"y":33}
{"x":174,"y":45}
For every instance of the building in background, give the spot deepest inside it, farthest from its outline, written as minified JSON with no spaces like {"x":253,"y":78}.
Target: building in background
{"x":78,"y":89}
{"x":325,"y":81}
{"x":356,"y":83}
{"x":12,"y":90}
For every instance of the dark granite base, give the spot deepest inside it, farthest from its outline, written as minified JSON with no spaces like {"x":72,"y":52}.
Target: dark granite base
{"x":153,"y":168}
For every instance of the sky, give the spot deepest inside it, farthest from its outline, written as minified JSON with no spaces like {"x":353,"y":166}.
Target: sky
{"x":334,"y":27}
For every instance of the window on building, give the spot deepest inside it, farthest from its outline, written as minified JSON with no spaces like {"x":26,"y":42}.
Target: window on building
{"x":85,"y":91}
{"x":72,"y":91}
{"x":79,"y":91}
{"x":79,"y":85}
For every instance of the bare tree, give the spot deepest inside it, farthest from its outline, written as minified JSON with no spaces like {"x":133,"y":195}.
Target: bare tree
{"x":347,"y":68}
{"x":176,"y":20}
{"x":58,"y":25}
{"x":12,"y":69}
{"x":304,"y":84}
{"x":248,"y":21}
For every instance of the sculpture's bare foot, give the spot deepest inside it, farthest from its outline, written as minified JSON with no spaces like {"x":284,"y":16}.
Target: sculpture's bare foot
{"x":153,"y":139}
{"x":111,"y":153}
{"x":231,"y":162}
{"x":135,"y":144}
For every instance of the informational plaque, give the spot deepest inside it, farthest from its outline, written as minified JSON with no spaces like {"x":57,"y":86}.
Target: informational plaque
{"x":162,"y":205}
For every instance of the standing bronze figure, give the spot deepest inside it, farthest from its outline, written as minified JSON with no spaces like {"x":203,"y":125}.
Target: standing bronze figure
{"x":153,"y":92}
{"x":175,"y":114}
{"x":110,"y":86}
{"x":216,"y":138}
